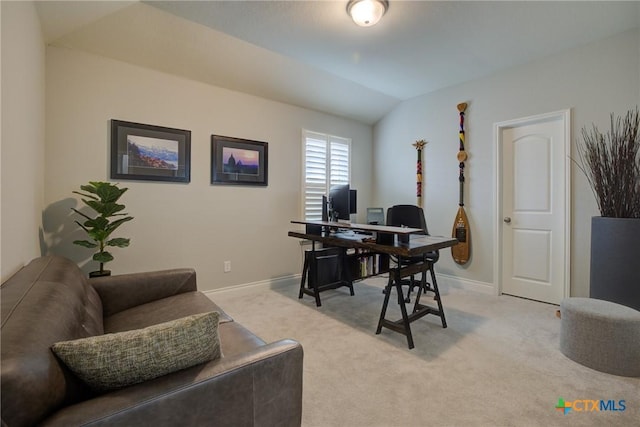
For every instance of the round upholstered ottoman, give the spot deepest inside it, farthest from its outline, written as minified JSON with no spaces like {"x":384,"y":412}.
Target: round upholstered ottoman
{"x":601,"y":335}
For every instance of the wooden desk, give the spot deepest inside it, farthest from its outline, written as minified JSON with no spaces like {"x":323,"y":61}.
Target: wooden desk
{"x":387,"y":241}
{"x":360,"y":227}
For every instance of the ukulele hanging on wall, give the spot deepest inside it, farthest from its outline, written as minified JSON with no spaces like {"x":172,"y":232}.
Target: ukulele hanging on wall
{"x":461,"y":231}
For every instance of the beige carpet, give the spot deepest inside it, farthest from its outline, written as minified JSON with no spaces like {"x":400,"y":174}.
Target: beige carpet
{"x":497,"y":363}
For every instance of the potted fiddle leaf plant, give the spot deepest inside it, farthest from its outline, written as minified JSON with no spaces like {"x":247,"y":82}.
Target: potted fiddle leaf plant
{"x":611,"y":163}
{"x":102,"y":197}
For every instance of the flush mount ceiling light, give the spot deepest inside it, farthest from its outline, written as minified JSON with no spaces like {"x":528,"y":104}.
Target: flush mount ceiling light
{"x":367,"y":12}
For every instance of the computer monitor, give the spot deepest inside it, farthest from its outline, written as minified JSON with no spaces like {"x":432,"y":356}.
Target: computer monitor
{"x":375,"y":216}
{"x":325,"y":208}
{"x":353,"y":201}
{"x":340,"y":197}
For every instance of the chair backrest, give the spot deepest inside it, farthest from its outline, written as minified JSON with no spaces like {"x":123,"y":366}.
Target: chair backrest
{"x":408,"y":216}
{"x":411,"y":216}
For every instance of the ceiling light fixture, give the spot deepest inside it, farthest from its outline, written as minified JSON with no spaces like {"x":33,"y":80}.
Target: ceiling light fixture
{"x":367,"y":12}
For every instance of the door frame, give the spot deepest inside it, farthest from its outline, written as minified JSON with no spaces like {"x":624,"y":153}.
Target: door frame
{"x":499,"y":127}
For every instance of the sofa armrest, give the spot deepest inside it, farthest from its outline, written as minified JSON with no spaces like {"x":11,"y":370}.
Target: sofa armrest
{"x":124,"y":291}
{"x":258,"y":388}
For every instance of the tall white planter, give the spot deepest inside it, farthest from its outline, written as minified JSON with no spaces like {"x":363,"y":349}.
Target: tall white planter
{"x":615,"y":260}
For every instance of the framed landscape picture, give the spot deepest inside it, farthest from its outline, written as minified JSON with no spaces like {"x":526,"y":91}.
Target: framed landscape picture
{"x":152,"y":153}
{"x":238,"y":161}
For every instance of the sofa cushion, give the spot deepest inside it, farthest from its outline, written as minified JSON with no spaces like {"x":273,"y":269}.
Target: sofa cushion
{"x":162,"y":310}
{"x":117,"y":360}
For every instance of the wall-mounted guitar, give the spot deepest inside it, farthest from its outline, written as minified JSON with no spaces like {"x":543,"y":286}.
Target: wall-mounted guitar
{"x":461,"y":231}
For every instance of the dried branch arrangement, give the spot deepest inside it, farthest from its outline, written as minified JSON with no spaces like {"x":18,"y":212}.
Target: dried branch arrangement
{"x":611,"y":164}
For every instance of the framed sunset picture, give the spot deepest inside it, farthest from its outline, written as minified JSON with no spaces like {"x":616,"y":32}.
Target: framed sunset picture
{"x":238,"y":161}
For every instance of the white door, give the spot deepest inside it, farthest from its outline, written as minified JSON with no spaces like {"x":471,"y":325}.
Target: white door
{"x":534,"y":207}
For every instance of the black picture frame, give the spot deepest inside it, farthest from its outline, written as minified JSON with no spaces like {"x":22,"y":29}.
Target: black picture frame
{"x":236,"y":161}
{"x":150,"y":153}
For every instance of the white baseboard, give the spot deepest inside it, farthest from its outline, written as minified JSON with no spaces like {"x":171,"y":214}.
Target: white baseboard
{"x":278,"y":281}
{"x":443,"y":281}
{"x":466,"y":284}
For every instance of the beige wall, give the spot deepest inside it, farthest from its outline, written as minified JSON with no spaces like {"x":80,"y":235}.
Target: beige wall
{"x":176,"y":225}
{"x":593,"y":81}
{"x":22,"y":145}
{"x":201,"y":225}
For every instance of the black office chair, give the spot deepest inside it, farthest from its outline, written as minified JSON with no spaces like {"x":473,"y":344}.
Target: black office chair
{"x":413,"y":217}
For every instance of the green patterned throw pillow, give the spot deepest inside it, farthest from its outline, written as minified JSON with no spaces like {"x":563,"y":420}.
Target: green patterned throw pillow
{"x":117,"y":360}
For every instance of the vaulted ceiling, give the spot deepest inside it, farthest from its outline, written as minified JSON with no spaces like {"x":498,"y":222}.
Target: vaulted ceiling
{"x":310,"y":54}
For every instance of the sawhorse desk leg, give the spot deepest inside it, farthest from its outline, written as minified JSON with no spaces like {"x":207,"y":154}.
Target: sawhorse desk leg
{"x":305,"y":274}
{"x":309,"y":272}
{"x":429,"y":310}
{"x":403,"y":325}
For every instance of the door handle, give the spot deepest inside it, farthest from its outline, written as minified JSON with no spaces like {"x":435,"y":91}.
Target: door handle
{"x":507,"y":220}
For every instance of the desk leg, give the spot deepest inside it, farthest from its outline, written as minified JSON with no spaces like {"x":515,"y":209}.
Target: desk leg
{"x":421,"y":289}
{"x":345,"y":272}
{"x":402,"y":326}
{"x":316,"y":292}
{"x":305,"y":270}
{"x":405,"y":318}
{"x":314,"y":284}
{"x":420,"y":310}
{"x":387,"y":293}
{"x":312,"y":266}
{"x":438,"y":299}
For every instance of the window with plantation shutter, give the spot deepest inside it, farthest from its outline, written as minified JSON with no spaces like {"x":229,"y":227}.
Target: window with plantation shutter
{"x":326,"y":162}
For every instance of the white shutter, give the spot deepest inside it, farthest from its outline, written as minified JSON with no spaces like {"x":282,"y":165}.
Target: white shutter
{"x":339,"y":164}
{"x":326,"y":162}
{"x":315,"y":176}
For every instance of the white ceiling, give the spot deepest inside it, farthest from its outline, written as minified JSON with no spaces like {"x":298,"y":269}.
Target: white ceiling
{"x":310,"y":54}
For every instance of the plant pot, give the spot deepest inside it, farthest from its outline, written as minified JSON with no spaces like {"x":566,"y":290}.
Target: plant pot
{"x":615,"y":273}
{"x":100,"y":273}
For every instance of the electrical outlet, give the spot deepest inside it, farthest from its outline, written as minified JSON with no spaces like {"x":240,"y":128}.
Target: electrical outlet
{"x":227,"y":266}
